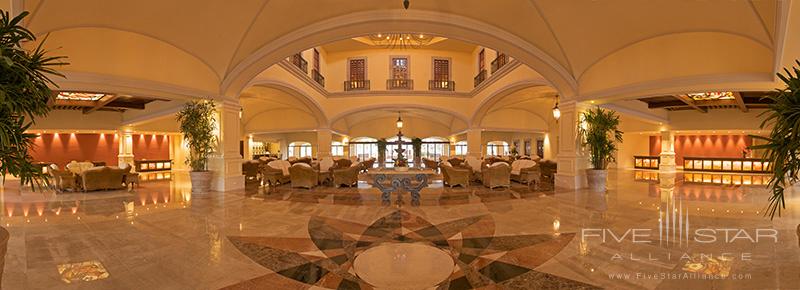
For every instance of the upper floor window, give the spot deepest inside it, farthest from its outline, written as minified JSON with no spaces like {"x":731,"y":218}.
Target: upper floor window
{"x":441,"y":69}
{"x":482,"y":60}
{"x":357,"y":69}
{"x":316,"y":60}
{"x":399,"y":69}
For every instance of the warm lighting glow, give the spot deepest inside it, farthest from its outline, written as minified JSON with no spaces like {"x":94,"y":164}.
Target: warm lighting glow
{"x":399,"y":122}
{"x":76,"y":96}
{"x":556,"y":111}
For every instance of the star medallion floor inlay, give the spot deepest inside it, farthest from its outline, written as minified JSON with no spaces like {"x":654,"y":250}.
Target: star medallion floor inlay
{"x":481,"y":259}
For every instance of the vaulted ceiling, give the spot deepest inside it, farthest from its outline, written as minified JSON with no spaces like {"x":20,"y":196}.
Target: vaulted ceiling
{"x":585,"y":48}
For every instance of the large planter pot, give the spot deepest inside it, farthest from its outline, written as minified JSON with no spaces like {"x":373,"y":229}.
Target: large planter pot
{"x":597,"y":179}
{"x":201,"y":181}
{"x":4,"y":236}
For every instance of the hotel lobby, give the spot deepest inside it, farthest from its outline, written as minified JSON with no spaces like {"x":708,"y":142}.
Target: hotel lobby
{"x":401,"y":144}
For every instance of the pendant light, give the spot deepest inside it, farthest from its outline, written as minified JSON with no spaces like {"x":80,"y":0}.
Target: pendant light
{"x":556,"y":111}
{"x":406,"y":3}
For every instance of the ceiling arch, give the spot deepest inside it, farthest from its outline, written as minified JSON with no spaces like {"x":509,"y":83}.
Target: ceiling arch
{"x":443,"y":116}
{"x":287,"y":95}
{"x":522,"y":88}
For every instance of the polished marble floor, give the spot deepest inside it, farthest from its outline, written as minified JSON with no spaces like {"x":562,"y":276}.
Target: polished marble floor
{"x":652,"y":232}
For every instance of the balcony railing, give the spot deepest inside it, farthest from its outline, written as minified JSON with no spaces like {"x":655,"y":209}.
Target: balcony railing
{"x":499,"y":62}
{"x":399,"y":84}
{"x":299,"y":62}
{"x":441,"y":85}
{"x":480,"y":77}
{"x":318,"y":77}
{"x":356,"y":85}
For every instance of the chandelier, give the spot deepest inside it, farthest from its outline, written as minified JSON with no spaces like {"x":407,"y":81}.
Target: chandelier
{"x":79,"y":96}
{"x":400,"y":40}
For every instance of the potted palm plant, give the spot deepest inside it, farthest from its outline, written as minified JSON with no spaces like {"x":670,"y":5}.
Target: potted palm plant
{"x":197,"y":124}
{"x":24,"y":95}
{"x":598,"y":131}
{"x":416,"y":144}
{"x":382,"y":153}
{"x":782,"y":146}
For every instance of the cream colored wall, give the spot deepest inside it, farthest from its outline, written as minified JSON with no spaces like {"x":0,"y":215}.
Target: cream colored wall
{"x":280,"y":120}
{"x":281,"y":141}
{"x":178,"y":153}
{"x":412,"y":127}
{"x":421,"y":67}
{"x":633,"y":144}
{"x":77,"y":120}
{"x":722,"y":119}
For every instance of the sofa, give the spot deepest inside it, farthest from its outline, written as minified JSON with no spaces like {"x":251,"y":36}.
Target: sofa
{"x":250,"y":170}
{"x":103,"y":178}
{"x":453,"y":176}
{"x":497,"y":175}
{"x":525,"y":171}
{"x":430,"y":164}
{"x":303,"y":175}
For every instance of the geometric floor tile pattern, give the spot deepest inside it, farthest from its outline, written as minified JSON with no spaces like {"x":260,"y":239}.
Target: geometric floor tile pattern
{"x":483,"y":261}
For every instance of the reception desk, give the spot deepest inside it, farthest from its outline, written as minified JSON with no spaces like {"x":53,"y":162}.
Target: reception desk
{"x":719,"y":164}
{"x":152,"y":165}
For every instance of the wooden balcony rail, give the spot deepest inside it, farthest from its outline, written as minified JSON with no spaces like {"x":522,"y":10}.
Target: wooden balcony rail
{"x":356,"y":85}
{"x":480,"y":77}
{"x":399,"y":84}
{"x":318,"y":77}
{"x":299,"y":62}
{"x":499,"y":62}
{"x":441,"y":85}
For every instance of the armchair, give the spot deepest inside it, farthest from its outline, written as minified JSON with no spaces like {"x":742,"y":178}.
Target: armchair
{"x":430,"y":164}
{"x":525,"y":171}
{"x":251,"y":172}
{"x":367,"y":164}
{"x":63,"y":179}
{"x":302,"y":175}
{"x":346,"y":176}
{"x":453,"y":176}
{"x":497,"y":175}
{"x":343,"y":163}
{"x":276,"y":172}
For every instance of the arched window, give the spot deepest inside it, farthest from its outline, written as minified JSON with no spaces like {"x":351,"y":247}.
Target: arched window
{"x":299,"y":149}
{"x":337,"y":148}
{"x":497,"y":148}
{"x":461,"y":148}
{"x":364,"y":148}
{"x":435,"y":147}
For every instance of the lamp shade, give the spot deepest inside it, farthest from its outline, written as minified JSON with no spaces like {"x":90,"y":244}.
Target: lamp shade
{"x":399,"y":123}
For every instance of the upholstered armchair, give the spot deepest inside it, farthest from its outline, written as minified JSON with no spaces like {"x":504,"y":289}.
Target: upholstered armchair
{"x":476,"y":166}
{"x":497,"y":175}
{"x":343,"y":163}
{"x":78,"y":167}
{"x":276,"y":172}
{"x":367,"y":164}
{"x":302,"y":175}
{"x":455,"y":176}
{"x":326,"y":169}
{"x":250,"y":172}
{"x":103,"y":178}
{"x":455,"y":162}
{"x":63,"y":179}
{"x":430,"y":164}
{"x":549,"y":169}
{"x":525,"y":171}
{"x":346,"y":176}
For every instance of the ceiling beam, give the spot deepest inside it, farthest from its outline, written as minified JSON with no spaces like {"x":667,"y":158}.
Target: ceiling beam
{"x":101,"y":103}
{"x":740,"y":101}
{"x":691,"y":103}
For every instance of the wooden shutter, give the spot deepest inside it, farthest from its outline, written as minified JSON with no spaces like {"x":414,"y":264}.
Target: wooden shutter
{"x":441,"y":70}
{"x":358,"y":69}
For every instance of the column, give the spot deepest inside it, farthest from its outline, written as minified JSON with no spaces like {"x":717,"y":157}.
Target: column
{"x":548,"y":150}
{"x":474,"y":143}
{"x":667,"y":163}
{"x":248,"y":147}
{"x":324,"y":139}
{"x":125,"y":147}
{"x":226,"y":163}
{"x":572,"y":160}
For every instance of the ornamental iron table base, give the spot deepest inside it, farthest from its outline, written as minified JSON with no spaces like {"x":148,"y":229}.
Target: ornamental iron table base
{"x":400,"y":183}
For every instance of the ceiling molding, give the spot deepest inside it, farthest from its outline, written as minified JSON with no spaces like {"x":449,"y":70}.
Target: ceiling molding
{"x":684,"y":85}
{"x":636,"y":113}
{"x":82,"y":81}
